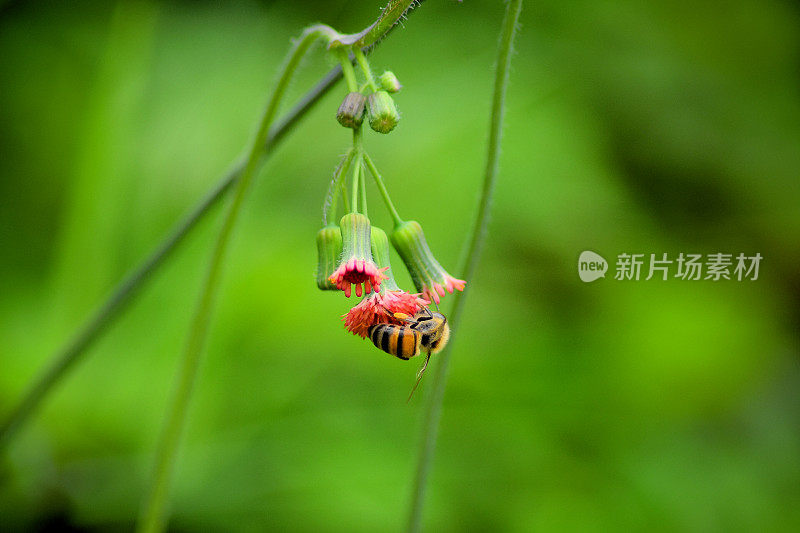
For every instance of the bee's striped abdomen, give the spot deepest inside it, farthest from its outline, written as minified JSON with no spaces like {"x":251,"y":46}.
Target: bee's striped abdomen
{"x":400,"y":341}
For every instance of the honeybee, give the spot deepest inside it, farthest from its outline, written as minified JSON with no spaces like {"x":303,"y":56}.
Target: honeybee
{"x":425,"y":330}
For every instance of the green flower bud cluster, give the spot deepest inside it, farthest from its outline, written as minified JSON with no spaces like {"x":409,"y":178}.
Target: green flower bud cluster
{"x":377,"y":103}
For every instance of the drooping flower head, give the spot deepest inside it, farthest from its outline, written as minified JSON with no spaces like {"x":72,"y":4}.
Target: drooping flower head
{"x":356,"y":265}
{"x":329,"y":250}
{"x":428,"y":276}
{"x":380,"y":307}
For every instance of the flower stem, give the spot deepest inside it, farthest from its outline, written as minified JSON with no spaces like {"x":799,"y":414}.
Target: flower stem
{"x":433,"y":408}
{"x":363,"y":189}
{"x":153,"y":517}
{"x":364,"y":64}
{"x":347,"y":70}
{"x":358,"y":148}
{"x":329,"y":213}
{"x":346,"y":202}
{"x":356,"y":176}
{"x":382,"y":188}
{"x":126,"y":290}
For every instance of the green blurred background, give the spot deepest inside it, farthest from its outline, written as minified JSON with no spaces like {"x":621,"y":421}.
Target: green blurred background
{"x":631,"y":127}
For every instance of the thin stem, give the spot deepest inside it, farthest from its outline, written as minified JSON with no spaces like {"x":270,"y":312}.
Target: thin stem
{"x":356,"y":176}
{"x":394,"y":12}
{"x":382,"y":188}
{"x":364,"y":64}
{"x":329,"y":213}
{"x":126,"y":290}
{"x":433,"y":408}
{"x":358,"y":148}
{"x":347,"y":70}
{"x":346,"y":202}
{"x":153,"y":518}
{"x":363,"y":189}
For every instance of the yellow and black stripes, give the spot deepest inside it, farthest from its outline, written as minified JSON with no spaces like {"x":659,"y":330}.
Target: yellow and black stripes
{"x":400,"y":341}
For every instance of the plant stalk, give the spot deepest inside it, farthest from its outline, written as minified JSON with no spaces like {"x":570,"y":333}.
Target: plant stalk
{"x":154,"y":510}
{"x":433,"y":407}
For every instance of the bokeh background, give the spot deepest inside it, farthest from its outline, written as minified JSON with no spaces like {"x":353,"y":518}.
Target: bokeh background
{"x":643,"y":127}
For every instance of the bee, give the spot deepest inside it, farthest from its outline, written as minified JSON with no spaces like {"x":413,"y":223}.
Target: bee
{"x":426,"y":330}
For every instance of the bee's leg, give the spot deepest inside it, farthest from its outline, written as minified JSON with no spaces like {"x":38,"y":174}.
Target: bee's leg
{"x":419,"y":375}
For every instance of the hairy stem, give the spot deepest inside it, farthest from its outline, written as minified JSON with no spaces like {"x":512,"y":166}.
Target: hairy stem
{"x":153,"y":518}
{"x":329,"y":211}
{"x":127,"y":289}
{"x":394,"y":11}
{"x":433,"y":408}
{"x":365,"y":68}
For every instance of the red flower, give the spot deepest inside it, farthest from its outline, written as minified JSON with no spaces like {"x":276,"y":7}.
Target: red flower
{"x":429,"y":277}
{"x":380,"y":309}
{"x":357,"y":266}
{"x":435,"y":290}
{"x":358,"y":271}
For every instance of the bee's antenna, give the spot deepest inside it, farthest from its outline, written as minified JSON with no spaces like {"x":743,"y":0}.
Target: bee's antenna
{"x":419,"y":376}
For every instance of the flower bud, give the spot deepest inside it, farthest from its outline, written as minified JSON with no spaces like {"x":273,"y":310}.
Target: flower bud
{"x":329,"y":250}
{"x":382,"y":113}
{"x":389,"y":82}
{"x":428,"y":276}
{"x":351,"y":111}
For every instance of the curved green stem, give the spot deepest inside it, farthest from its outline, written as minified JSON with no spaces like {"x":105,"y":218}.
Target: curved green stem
{"x":329,"y":212}
{"x":347,"y":70}
{"x":433,"y":408}
{"x":153,"y":518}
{"x":395,"y":11}
{"x":127,"y":289}
{"x":365,"y":68}
{"x":382,"y":188}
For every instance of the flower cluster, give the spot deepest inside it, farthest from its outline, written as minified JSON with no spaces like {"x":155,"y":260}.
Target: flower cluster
{"x":363,"y":252}
{"x":354,"y":255}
